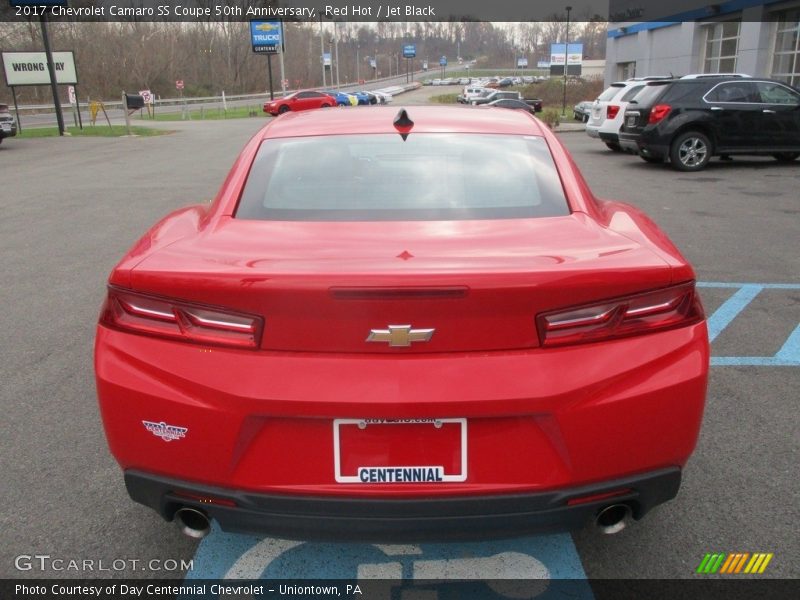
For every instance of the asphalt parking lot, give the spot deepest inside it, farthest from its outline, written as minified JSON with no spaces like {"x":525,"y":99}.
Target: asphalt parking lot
{"x":72,"y":207}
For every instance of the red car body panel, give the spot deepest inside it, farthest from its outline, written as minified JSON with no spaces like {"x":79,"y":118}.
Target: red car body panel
{"x":536,"y":418}
{"x":298,"y":101}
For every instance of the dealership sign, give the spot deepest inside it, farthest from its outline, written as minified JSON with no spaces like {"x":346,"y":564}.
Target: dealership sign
{"x":30,"y":68}
{"x":557,"y":52}
{"x":266,"y":36}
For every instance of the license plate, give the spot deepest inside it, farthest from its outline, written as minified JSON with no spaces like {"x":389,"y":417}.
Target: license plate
{"x":400,"y":450}
{"x":6,"y":127}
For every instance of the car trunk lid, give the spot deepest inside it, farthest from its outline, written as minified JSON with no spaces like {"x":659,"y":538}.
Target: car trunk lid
{"x":328,"y":287}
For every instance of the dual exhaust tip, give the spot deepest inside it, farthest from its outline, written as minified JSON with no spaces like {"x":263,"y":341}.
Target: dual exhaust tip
{"x":192,"y":522}
{"x":613,"y":518}
{"x":196,"y":524}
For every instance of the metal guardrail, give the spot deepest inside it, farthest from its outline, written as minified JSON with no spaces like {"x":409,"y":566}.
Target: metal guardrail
{"x":159,"y":102}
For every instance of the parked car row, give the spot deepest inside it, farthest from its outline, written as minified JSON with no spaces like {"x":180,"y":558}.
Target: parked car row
{"x":495,"y":82}
{"x":476,"y":95}
{"x":691,"y":119}
{"x":310,"y":99}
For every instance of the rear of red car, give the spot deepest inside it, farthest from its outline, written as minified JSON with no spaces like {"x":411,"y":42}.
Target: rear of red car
{"x":408,"y":344}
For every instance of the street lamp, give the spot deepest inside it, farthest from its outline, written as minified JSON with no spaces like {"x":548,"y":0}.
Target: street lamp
{"x":322,"y":48}
{"x":566,"y":65}
{"x":358,"y":63}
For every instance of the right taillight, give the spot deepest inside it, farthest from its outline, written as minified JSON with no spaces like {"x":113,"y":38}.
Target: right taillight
{"x":179,"y":320}
{"x":657,"y":113}
{"x":611,"y":111}
{"x":666,"y":308}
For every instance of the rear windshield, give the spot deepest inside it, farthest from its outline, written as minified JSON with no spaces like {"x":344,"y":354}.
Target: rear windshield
{"x":649,"y":93}
{"x":380,"y":177}
{"x":628,"y":96}
{"x":610,"y":93}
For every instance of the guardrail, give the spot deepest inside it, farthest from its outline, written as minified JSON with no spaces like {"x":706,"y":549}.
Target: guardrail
{"x":218,"y":100}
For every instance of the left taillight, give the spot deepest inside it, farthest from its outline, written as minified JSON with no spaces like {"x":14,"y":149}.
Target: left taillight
{"x":179,"y":320}
{"x":666,"y":308}
{"x":658,"y":113}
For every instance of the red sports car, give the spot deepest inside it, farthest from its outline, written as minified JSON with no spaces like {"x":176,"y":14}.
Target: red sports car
{"x":436,"y":332}
{"x":297,"y":101}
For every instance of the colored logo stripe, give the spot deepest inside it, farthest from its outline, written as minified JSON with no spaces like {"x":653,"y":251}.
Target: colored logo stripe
{"x":711,"y":563}
{"x":758,"y":563}
{"x":734,"y":563}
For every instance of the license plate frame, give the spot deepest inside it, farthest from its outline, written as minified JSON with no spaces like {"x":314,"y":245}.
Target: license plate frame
{"x":363,"y":423}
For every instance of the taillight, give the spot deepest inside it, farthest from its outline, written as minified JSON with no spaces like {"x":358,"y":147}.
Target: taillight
{"x":611,"y":111}
{"x":175,"y":319}
{"x":621,"y":317}
{"x":658,"y":112}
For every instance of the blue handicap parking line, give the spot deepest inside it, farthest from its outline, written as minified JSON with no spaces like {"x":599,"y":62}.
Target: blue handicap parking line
{"x":223,"y":555}
{"x":787,"y":356}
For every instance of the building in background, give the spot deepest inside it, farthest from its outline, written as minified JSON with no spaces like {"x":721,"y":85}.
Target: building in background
{"x":756,"y":37}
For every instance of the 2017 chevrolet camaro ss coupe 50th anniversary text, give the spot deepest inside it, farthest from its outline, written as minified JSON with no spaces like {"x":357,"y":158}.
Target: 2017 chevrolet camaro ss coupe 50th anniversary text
{"x":402,"y":326}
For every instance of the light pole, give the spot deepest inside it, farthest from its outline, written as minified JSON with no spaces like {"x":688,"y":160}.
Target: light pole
{"x":358,"y":64}
{"x":566,"y":65}
{"x":322,"y":49}
{"x":336,"y":46}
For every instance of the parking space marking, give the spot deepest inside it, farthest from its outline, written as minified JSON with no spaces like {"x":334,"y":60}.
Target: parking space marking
{"x":224,"y":555}
{"x":726,"y":313}
{"x":789,"y":353}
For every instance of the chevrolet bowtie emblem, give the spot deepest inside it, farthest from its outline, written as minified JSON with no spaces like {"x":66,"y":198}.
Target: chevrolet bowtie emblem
{"x":400,"y":335}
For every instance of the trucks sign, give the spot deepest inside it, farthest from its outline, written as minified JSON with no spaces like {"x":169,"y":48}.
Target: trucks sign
{"x":266,"y":36}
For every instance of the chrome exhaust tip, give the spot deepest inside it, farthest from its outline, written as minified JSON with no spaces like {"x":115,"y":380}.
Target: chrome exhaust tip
{"x":192,"y":522}
{"x":613,"y":518}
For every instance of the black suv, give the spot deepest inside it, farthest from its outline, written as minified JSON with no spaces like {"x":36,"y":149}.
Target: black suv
{"x":691,"y":120}
{"x":8,"y":126}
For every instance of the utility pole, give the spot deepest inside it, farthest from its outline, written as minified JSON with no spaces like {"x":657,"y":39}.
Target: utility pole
{"x":322,"y":50}
{"x":52,"y":70}
{"x":566,"y":67}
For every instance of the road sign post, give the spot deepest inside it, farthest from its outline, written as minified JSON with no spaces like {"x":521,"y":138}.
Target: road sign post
{"x":266,"y":37}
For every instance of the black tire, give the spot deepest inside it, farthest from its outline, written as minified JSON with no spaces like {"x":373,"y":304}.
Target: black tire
{"x":325,"y":106}
{"x":651,"y":159}
{"x":283,"y":109}
{"x":614,"y":146}
{"x":786,"y":157}
{"x":690,"y":151}
{"x":585,"y":118}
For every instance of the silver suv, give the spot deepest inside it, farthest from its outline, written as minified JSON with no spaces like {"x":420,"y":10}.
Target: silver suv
{"x":8,"y":126}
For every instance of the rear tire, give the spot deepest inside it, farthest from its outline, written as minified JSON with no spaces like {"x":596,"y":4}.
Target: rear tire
{"x":325,"y":106}
{"x":690,"y":151}
{"x":614,"y":146}
{"x":786,"y":157}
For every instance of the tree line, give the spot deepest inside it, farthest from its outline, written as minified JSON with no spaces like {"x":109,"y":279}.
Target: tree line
{"x":214,"y":56}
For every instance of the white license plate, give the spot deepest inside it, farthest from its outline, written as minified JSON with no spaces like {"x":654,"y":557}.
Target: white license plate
{"x":400,"y":450}
{"x":6,"y":127}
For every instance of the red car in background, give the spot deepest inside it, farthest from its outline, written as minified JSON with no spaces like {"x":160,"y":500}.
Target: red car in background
{"x":297,"y":101}
{"x":436,"y":332}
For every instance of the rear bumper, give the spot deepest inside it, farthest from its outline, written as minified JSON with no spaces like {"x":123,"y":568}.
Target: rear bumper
{"x":639,"y":144}
{"x":593,"y":130}
{"x":408,"y":520}
{"x":609,"y":137}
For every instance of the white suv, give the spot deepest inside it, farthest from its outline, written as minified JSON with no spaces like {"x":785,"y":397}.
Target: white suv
{"x":608,"y":111}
